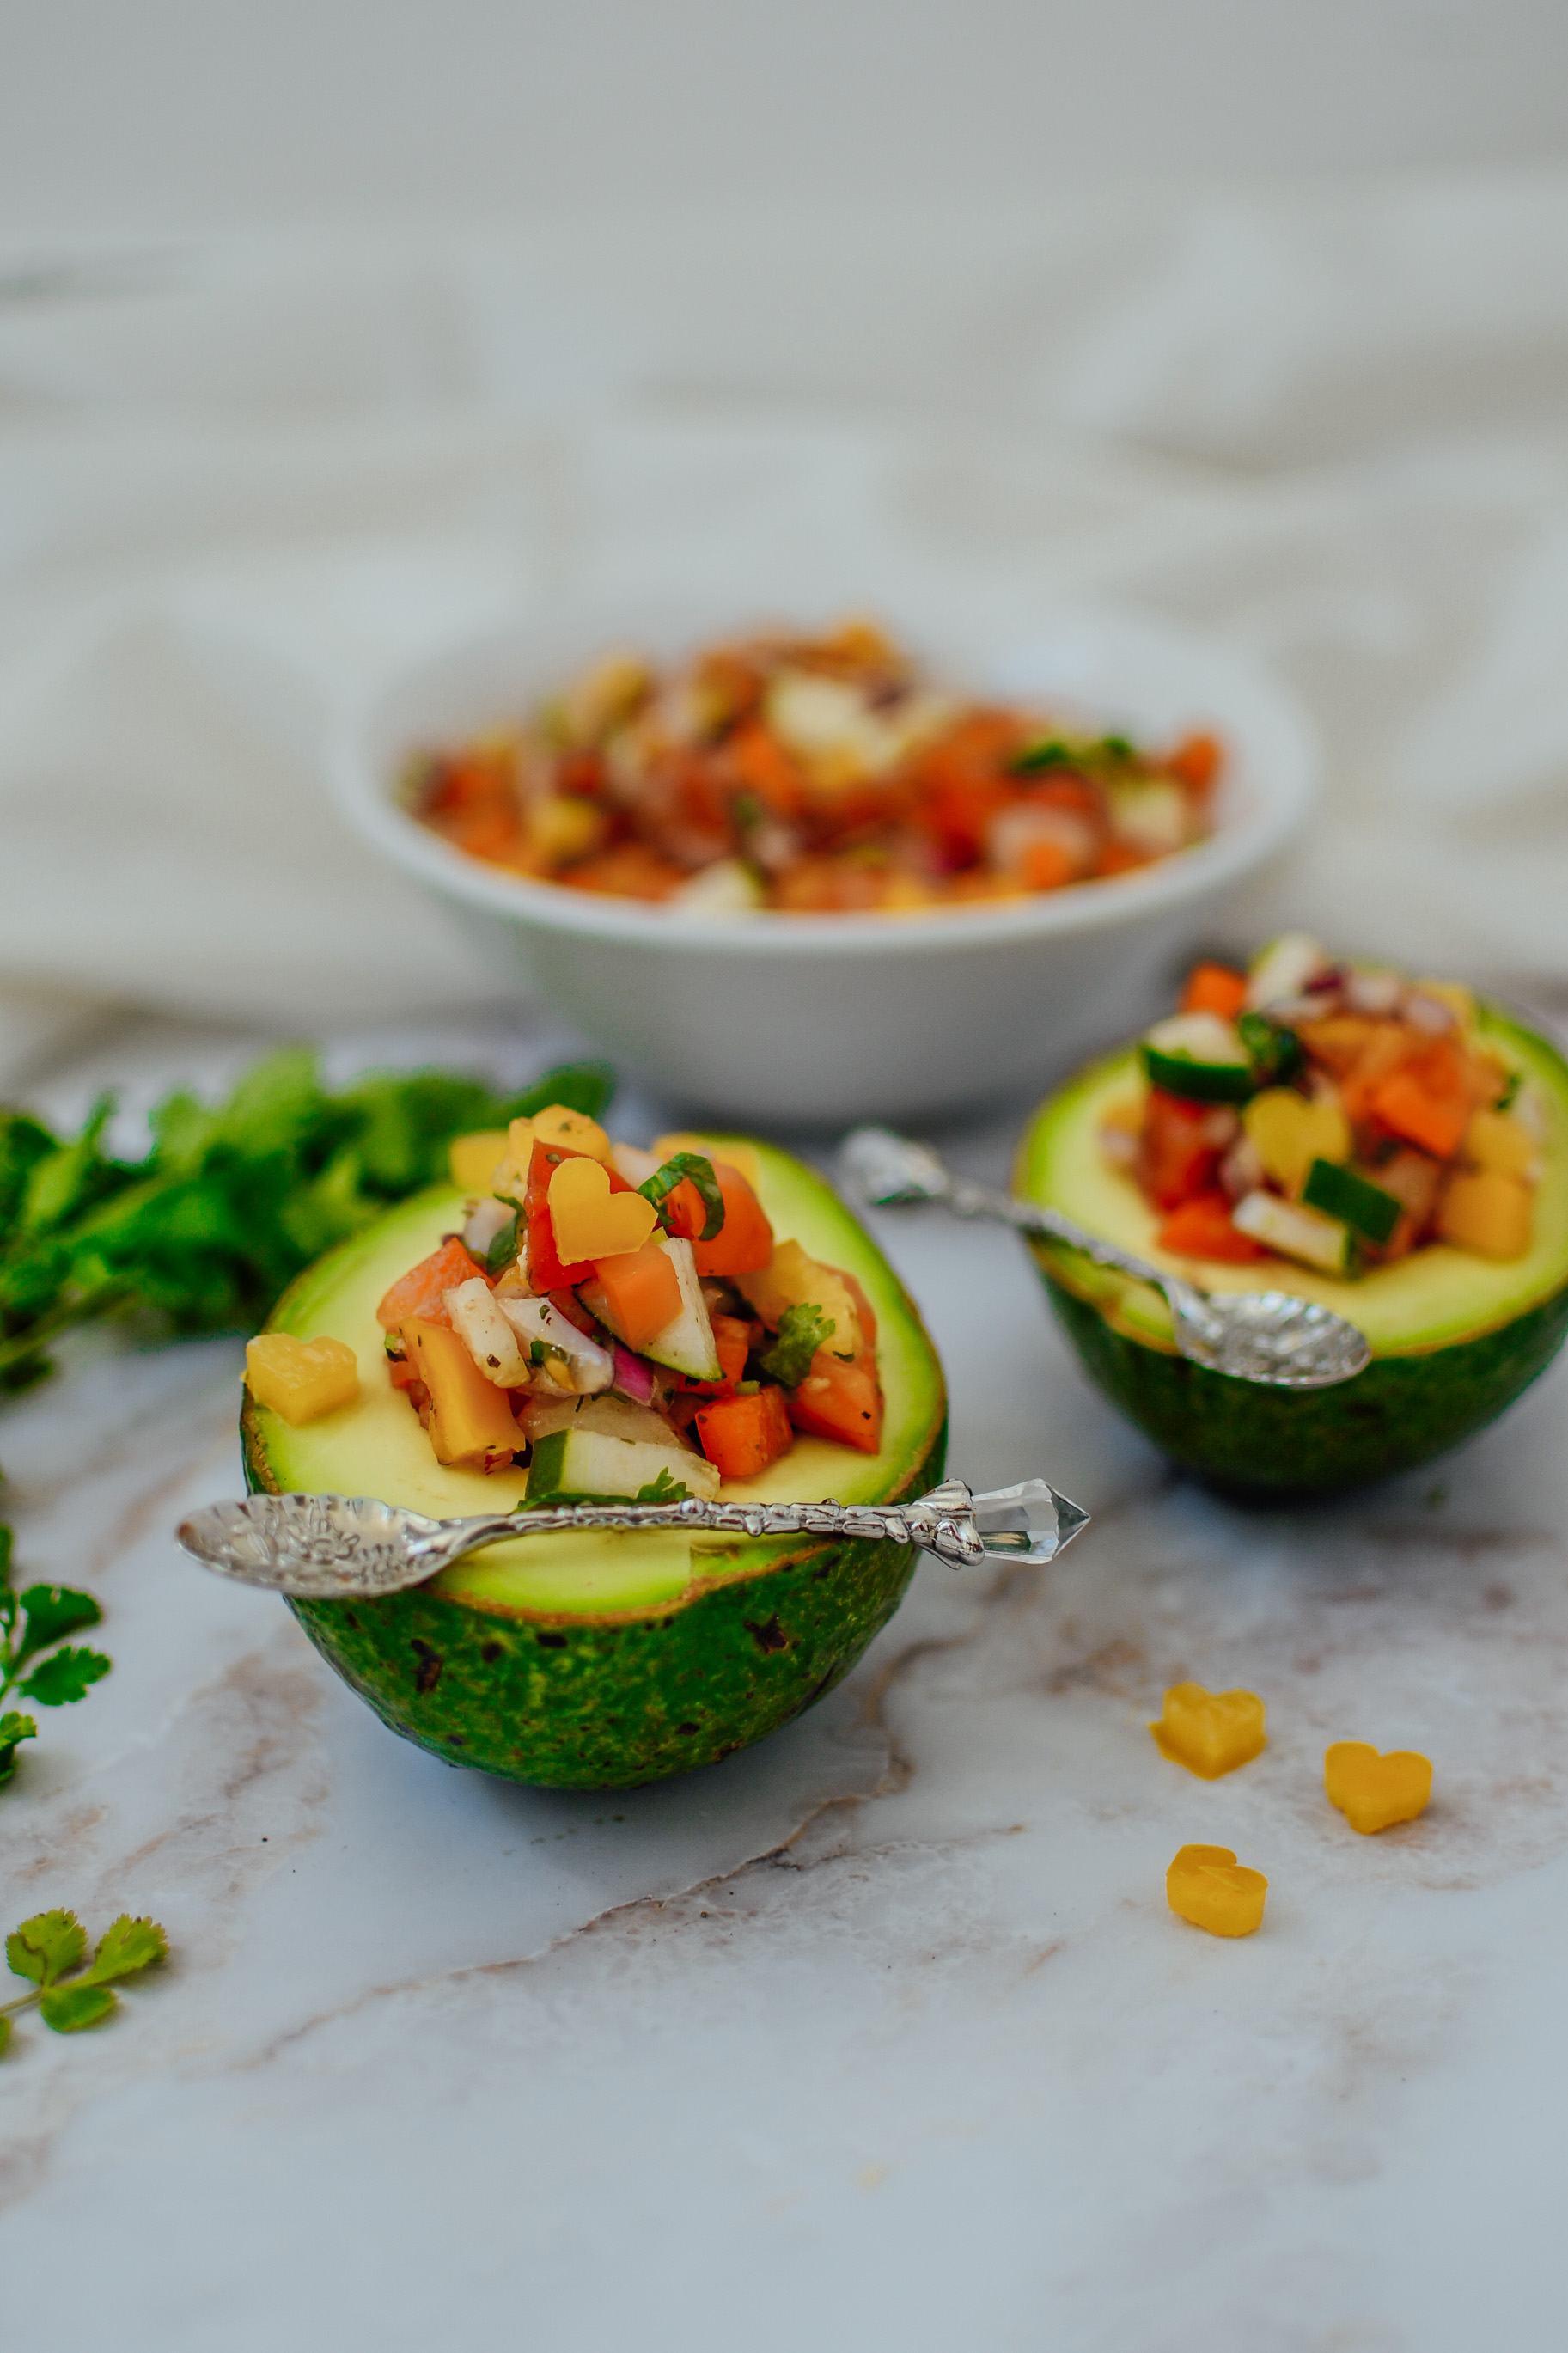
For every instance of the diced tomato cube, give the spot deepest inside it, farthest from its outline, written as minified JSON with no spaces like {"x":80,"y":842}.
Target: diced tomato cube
{"x":840,"y":1401}
{"x":1178,"y":1155}
{"x":1202,"y":1228}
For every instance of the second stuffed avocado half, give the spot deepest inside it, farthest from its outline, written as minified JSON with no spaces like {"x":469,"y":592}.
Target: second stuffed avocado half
{"x":1437,"y":1219}
{"x":606,"y":1660}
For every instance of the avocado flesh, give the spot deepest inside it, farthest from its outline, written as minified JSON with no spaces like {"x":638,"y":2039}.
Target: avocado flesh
{"x":593,"y":1662}
{"x":1455,"y":1337}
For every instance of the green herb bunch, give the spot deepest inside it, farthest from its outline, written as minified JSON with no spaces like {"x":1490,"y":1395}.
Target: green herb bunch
{"x":48,"y":1951}
{"x":232,"y":1200}
{"x":37,"y":1662}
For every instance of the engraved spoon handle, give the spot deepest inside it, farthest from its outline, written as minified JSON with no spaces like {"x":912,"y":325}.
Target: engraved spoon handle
{"x":968,"y":1199}
{"x":943,"y":1525}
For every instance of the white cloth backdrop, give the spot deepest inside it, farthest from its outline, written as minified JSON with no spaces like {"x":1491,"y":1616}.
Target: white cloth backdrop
{"x":237,"y":482}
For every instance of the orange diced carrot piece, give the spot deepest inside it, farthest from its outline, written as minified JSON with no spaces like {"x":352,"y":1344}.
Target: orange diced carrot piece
{"x":642,"y":1291}
{"x":1197,"y":763}
{"x":741,"y":1435}
{"x":421,"y":1291}
{"x":1436,"y":1121}
{"x":1215,"y":988}
{"x":1046,"y":866}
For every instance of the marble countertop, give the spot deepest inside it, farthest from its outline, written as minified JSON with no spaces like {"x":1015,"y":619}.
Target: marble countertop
{"x":880,"y":2033}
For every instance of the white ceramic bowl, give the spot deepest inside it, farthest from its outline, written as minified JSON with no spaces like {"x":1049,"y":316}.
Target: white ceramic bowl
{"x":821,"y":1019}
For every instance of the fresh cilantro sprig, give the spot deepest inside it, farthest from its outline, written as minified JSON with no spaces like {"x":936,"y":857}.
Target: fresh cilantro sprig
{"x":48,"y":1951}
{"x":37,"y":1662}
{"x":802,"y":1331}
{"x":232,"y":1200}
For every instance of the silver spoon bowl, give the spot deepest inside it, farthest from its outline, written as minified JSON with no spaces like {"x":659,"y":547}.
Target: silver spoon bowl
{"x":1267,"y":1336}
{"x":351,"y":1548}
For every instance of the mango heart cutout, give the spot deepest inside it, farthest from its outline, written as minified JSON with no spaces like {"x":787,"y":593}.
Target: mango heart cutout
{"x":589,"y":1220}
{"x":1208,"y":1887}
{"x":1210,"y":1733}
{"x":1373,"y":1793}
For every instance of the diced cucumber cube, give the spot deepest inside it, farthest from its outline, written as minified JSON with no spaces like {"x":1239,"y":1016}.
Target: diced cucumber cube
{"x":589,"y":1462}
{"x":1295,"y":1231}
{"x":1362,"y":1206}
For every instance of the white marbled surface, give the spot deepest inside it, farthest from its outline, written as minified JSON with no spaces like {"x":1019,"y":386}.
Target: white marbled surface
{"x":880,"y":2034}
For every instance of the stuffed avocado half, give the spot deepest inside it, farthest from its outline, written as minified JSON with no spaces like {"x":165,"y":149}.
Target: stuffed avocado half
{"x":601,"y":1660}
{"x":1456,"y":1335}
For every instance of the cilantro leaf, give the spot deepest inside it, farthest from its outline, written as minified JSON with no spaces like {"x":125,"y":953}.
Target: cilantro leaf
{"x":125,"y":1947}
{"x":65,"y":1676}
{"x":504,"y":1247}
{"x":53,"y":1611}
{"x":14,"y":1729}
{"x":44,"y":1947}
{"x":663,"y":1490}
{"x":698,"y":1169}
{"x":802,"y":1331}
{"x":67,"y":2009}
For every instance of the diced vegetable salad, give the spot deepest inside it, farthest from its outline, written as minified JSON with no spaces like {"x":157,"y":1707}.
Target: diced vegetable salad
{"x":626,"y":1321}
{"x":1333,"y":1113}
{"x":813,"y":775}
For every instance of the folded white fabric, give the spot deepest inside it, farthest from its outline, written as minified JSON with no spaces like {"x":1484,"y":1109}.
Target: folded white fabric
{"x":239,"y":485}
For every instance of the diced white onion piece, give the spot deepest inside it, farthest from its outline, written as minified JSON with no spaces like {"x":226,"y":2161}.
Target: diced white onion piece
{"x":635,"y":1165}
{"x":1428,"y":1013}
{"x":1282,"y":969}
{"x":483,"y":1329}
{"x":485,"y":1219}
{"x":1153,"y":819}
{"x":1374,"y":993}
{"x":1294,"y":1232}
{"x":587,"y":1365}
{"x":728,"y":887}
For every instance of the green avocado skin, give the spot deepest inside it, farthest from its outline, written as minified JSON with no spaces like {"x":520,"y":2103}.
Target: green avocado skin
{"x":1277,"y":1443}
{"x":597,"y":1704}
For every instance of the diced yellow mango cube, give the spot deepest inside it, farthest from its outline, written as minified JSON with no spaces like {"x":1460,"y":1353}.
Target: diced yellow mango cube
{"x":561,"y":829}
{"x":1493,"y":1140}
{"x":471,"y":1427}
{"x":1210,"y":1733}
{"x":1288,"y":1134}
{"x":588,"y":1221}
{"x":1485,"y":1211}
{"x":796,"y":1280}
{"x":1207,"y":1885}
{"x":574,"y":1129}
{"x":473,"y":1159}
{"x":301,"y":1379}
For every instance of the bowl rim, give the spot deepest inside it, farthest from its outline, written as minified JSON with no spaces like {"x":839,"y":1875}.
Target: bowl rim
{"x":365,"y":784}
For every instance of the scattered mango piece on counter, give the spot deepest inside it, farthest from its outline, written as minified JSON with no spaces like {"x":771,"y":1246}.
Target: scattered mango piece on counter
{"x":1373,"y":1793}
{"x":1210,"y":1733}
{"x":473,"y":1159}
{"x":1208,"y":1887}
{"x":301,"y":1379}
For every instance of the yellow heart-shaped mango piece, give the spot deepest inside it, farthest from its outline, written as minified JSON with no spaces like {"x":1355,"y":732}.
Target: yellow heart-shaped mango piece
{"x":589,"y":1221}
{"x":1210,"y":1733}
{"x":1207,"y":1885}
{"x":1373,"y":1793}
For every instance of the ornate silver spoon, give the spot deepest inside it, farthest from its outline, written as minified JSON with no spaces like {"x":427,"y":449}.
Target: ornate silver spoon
{"x":344,"y":1547}
{"x":1268,"y":1336}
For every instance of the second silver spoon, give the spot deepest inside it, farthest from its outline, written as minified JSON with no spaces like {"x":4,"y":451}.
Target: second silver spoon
{"x":1271,"y":1337}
